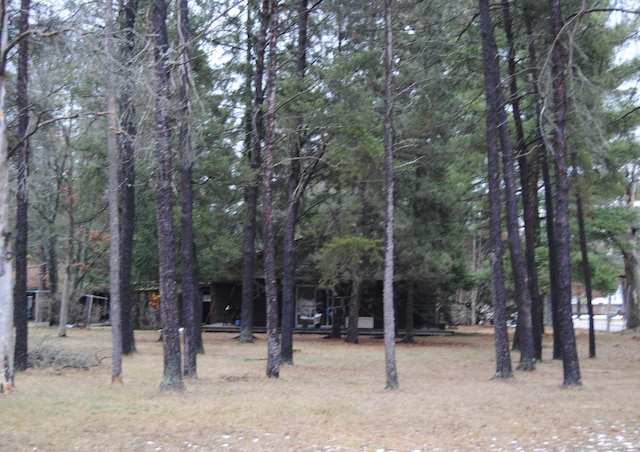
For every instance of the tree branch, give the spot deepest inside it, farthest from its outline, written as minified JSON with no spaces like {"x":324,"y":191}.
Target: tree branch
{"x":38,"y":32}
{"x":632,"y":111}
{"x":38,"y":126}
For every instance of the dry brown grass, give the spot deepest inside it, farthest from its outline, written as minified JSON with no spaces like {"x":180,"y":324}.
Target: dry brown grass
{"x":332,"y":399}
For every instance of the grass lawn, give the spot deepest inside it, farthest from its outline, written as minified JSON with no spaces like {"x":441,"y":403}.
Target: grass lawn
{"x":332,"y":399}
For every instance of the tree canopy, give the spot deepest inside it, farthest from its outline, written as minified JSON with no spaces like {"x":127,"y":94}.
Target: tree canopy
{"x":329,"y":109}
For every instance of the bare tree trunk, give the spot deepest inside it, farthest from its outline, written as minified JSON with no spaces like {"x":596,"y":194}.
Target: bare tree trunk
{"x":255,"y":130}
{"x":529,"y":169}
{"x":127,"y":178}
{"x":410,"y":327}
{"x":469,"y":298}
{"x":629,"y":285}
{"x":22,"y":196}
{"x":293,"y":196}
{"x":388,"y":308}
{"x":172,"y":374}
{"x":551,"y":244}
{"x":114,"y":213}
{"x":540,"y":152}
{"x":354,"y":311}
{"x":63,"y":318}
{"x":6,"y":289}
{"x":271,"y":285}
{"x":519,"y":270}
{"x":492,"y":80}
{"x":630,"y":259}
{"x":569,"y":352}
{"x":337,"y":315}
{"x":189,"y":260}
{"x":41,"y":302}
{"x":356,"y":283}
{"x":586,"y":269}
{"x":529,"y":176}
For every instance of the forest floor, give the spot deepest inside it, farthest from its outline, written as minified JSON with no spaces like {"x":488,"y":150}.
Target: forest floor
{"x":332,"y":399}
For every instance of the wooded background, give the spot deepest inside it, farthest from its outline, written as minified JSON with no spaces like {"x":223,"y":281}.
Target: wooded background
{"x":207,"y":97}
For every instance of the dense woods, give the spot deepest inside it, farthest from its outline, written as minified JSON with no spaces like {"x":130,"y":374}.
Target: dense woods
{"x":456,"y":151}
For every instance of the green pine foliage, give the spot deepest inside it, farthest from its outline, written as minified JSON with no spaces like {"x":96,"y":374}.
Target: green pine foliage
{"x":439,"y":157}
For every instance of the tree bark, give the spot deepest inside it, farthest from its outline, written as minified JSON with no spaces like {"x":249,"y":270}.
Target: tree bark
{"x":529,"y":170}
{"x":22,"y":196}
{"x":172,"y":374}
{"x":337,"y":313}
{"x":190,"y":292}
{"x":629,"y":285}
{"x":6,"y":291}
{"x":256,"y":131}
{"x":630,"y":259}
{"x":51,"y":259}
{"x":491,"y":77}
{"x":114,"y":214}
{"x":520,"y":277}
{"x":388,"y":307}
{"x":356,"y":283}
{"x":410,"y":328}
{"x":548,"y":202}
{"x":65,"y":301}
{"x":271,"y":285}
{"x":586,"y":268}
{"x":354,"y":311}
{"x":569,"y":353}
{"x":551,"y":245}
{"x":127,"y":177}
{"x":293,"y":195}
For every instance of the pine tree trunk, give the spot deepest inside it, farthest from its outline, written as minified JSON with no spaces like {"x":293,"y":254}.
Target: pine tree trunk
{"x":586,"y":270}
{"x":190,"y":290}
{"x":114,"y":213}
{"x":630,"y":259}
{"x":569,"y":352}
{"x":503,"y":357}
{"x":255,"y":131}
{"x":248,"y":273}
{"x":495,"y":100}
{"x":289,"y":273}
{"x":271,"y":285}
{"x":630,"y":288}
{"x":337,"y":313}
{"x":530,"y":306}
{"x":22,"y":196}
{"x":388,"y":307}
{"x":531,"y":207}
{"x":63,"y":318}
{"x":356,"y":283}
{"x":127,"y":179}
{"x":530,"y":202}
{"x":551,"y":245}
{"x":41,"y":301}
{"x":293,"y":195}
{"x":410,"y":329}
{"x":6,"y":291}
{"x":172,"y":374}
{"x":354,"y":311}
